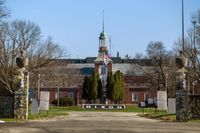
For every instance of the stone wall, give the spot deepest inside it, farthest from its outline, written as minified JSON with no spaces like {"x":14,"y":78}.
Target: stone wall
{"x":21,"y":97}
{"x":183,"y":112}
{"x":195,"y":106}
{"x":20,"y":106}
{"x":6,"y":106}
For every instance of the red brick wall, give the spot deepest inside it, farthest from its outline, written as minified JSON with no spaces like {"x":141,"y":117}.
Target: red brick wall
{"x":128,"y":95}
{"x":63,"y":93}
{"x":136,"y":84}
{"x":110,"y":67}
{"x":130,"y":86}
{"x":97,"y":68}
{"x":52,"y":96}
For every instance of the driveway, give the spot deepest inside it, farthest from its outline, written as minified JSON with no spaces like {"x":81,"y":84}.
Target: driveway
{"x":99,"y":122}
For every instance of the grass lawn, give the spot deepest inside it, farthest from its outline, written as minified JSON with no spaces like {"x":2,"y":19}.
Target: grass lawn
{"x":129,"y":108}
{"x":53,"y":111}
{"x":196,"y":120}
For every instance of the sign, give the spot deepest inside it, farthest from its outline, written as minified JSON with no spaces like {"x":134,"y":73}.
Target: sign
{"x":142,"y":104}
{"x":104,"y":106}
{"x":34,"y":107}
{"x":150,"y":101}
{"x":171,"y":105}
{"x":2,"y":121}
{"x":44,"y":100}
{"x":6,"y":106}
{"x":162,"y":100}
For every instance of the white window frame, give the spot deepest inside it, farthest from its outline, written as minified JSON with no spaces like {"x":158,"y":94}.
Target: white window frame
{"x":134,"y":96}
{"x":70,"y":95}
{"x":56,"y":95}
{"x":146,"y":95}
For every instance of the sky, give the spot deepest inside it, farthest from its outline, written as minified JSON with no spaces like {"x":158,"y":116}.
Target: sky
{"x":76,"y":24}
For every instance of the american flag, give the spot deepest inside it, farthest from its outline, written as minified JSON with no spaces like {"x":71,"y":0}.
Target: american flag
{"x":106,"y":59}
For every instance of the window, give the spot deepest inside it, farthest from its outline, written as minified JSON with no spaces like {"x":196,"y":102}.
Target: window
{"x":56,"y":95}
{"x":134,"y":96}
{"x":103,"y":70}
{"x":146,"y":96}
{"x":70,"y":95}
{"x":129,"y":81}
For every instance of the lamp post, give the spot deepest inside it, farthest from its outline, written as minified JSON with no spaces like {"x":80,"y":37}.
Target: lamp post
{"x":193,"y":86}
{"x":166,"y":82}
{"x":194,"y":42}
{"x":166,"y":85}
{"x":58,"y":96}
{"x":38,"y":87}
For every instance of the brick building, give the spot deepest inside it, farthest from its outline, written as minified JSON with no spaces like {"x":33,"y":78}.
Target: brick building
{"x":66,"y":80}
{"x":72,"y":75}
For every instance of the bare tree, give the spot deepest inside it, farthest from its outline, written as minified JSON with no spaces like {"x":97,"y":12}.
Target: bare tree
{"x":22,"y":35}
{"x":45,"y":54}
{"x":156,"y":51}
{"x":3,"y":10}
{"x":139,"y":56}
{"x":192,"y":50}
{"x":194,"y":55}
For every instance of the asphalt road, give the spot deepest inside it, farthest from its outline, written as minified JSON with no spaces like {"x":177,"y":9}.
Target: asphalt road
{"x":99,"y":122}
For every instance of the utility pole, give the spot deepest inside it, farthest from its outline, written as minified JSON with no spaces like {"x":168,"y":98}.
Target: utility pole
{"x":183,"y":40}
{"x":194,"y":43}
{"x":58,"y":96}
{"x":182,"y":95}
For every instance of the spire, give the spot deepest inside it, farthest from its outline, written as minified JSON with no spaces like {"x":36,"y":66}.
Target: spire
{"x":103,"y":21}
{"x":103,"y":34}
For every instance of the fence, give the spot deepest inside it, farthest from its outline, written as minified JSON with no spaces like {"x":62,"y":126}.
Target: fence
{"x":195,"y":106}
{"x":6,"y":106}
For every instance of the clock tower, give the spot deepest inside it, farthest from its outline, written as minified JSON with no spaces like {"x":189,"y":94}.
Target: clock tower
{"x":103,"y":63}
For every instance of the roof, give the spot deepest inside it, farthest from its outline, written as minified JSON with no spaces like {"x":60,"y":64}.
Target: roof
{"x":102,"y":36}
{"x":90,"y":60}
{"x":116,"y":59}
{"x":86,"y":71}
{"x":142,"y":62}
{"x":128,"y":69}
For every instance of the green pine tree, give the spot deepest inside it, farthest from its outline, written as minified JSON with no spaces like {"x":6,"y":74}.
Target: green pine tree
{"x":115,"y":93}
{"x":94,"y":86}
{"x":99,"y":89}
{"x":110,"y":85}
{"x":121,"y":86}
{"x":86,"y":88}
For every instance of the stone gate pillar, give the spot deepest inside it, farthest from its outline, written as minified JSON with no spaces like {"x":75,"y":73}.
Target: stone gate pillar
{"x":21,"y":88}
{"x":182,"y":95}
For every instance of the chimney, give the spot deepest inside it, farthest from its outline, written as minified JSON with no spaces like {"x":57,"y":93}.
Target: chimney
{"x":117,"y":54}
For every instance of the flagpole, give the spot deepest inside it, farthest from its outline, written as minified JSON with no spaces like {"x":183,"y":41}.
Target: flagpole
{"x":183,"y":40}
